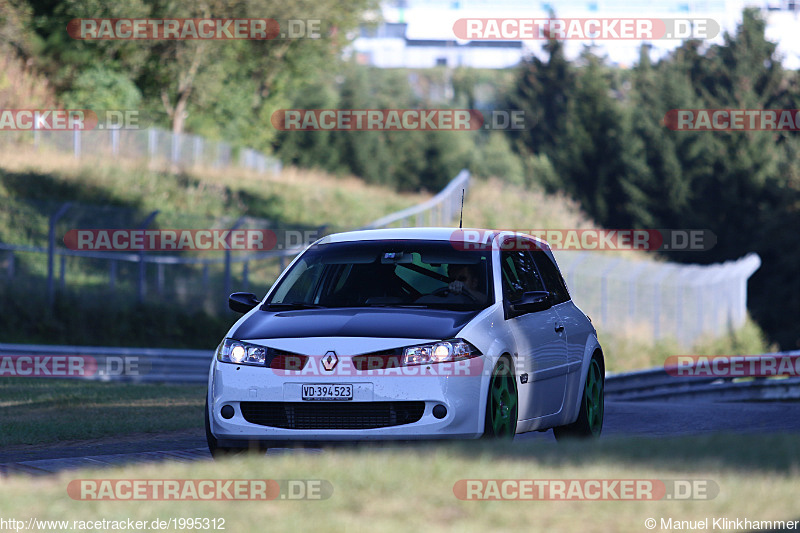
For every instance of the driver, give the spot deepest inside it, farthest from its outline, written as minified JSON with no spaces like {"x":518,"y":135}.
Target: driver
{"x":466,"y":280}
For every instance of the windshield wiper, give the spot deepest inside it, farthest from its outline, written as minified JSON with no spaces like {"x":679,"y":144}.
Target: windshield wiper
{"x":295,"y":305}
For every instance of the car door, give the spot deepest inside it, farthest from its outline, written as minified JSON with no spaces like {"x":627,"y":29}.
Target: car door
{"x":540,"y":340}
{"x":577,"y":327}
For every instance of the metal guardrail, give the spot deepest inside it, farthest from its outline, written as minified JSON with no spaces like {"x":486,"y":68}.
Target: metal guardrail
{"x":655,"y":384}
{"x":136,"y":365}
{"x":438,"y":211}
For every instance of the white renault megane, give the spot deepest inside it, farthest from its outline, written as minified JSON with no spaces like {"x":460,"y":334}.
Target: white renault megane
{"x":427,"y":333}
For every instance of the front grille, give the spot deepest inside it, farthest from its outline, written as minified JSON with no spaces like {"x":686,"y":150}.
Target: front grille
{"x":332,"y":415}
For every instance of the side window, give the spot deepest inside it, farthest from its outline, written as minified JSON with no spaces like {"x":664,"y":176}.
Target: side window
{"x":519,"y":274}
{"x":553,"y":281}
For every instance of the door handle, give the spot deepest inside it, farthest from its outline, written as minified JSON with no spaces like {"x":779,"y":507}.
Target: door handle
{"x":559,"y":327}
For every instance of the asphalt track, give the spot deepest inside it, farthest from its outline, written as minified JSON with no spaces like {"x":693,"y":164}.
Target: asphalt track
{"x":622,"y":419}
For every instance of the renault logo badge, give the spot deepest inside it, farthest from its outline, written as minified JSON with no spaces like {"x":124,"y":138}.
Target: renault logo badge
{"x":329,"y":361}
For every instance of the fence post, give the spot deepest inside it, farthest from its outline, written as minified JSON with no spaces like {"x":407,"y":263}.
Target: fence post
{"x":228,"y":259}
{"x":657,"y":290}
{"x":604,"y":291}
{"x":632,"y":284}
{"x":115,"y":142}
{"x":76,"y":143}
{"x":62,"y":273}
{"x":112,"y":275}
{"x":141,"y":283}
{"x":686,"y":273}
{"x":51,"y":250}
{"x":574,"y":267}
{"x":699,"y":303}
{"x":198,"y":150}
{"x":160,"y":279}
{"x":175,"y":155}
{"x":152,"y":140}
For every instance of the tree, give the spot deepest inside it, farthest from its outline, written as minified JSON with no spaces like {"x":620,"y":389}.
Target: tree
{"x":593,"y":153}
{"x":543,"y":92}
{"x":187,"y":81}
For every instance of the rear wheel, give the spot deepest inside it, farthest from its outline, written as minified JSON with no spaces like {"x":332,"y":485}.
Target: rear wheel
{"x":501,"y":404}
{"x":590,"y":417}
{"x":218,"y":452}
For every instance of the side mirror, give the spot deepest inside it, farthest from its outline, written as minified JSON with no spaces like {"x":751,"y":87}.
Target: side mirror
{"x":242,"y":302}
{"x":531,"y":302}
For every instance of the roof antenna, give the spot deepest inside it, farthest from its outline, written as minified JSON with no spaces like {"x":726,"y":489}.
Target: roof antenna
{"x":461,"y":217}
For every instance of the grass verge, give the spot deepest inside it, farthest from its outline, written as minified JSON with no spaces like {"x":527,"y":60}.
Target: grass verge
{"x":39,"y":411}
{"x":411,"y":488}
{"x":636,"y":350}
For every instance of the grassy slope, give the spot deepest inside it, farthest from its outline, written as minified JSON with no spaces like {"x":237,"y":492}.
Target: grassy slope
{"x":293,"y":197}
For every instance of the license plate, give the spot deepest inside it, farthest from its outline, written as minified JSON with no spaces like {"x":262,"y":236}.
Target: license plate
{"x":328,"y":392}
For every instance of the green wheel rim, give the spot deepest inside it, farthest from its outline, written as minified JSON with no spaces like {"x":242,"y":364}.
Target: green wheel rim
{"x":593,"y":397}
{"x":503,"y":406}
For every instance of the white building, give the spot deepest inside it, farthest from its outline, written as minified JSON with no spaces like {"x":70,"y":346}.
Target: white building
{"x":419,"y":34}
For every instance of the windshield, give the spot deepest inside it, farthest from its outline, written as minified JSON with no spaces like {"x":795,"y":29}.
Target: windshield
{"x":408,"y":273}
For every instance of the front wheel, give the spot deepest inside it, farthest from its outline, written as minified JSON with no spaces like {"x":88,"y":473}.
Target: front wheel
{"x":590,"y":417}
{"x":501,"y":404}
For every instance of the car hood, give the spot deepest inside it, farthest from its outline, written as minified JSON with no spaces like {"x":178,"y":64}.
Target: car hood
{"x":358,"y":322}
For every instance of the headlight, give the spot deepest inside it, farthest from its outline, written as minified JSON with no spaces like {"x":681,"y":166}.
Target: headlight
{"x":440,"y":352}
{"x":241,"y":353}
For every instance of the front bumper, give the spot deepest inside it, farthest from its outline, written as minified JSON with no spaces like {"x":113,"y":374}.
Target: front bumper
{"x":379,"y":397}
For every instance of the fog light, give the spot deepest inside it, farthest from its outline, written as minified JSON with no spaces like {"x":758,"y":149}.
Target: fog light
{"x":440,"y":411}
{"x":226,"y":412}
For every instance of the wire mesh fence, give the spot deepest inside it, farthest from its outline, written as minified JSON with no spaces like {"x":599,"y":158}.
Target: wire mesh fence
{"x":154,"y":145}
{"x":659,"y":299}
{"x":38,"y":260}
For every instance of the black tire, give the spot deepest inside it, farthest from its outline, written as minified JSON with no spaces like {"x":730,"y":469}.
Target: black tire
{"x":590,"y":417}
{"x":502,"y":403}
{"x":218,"y":452}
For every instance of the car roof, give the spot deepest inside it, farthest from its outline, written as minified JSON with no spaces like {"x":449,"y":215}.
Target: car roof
{"x":473,"y":235}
